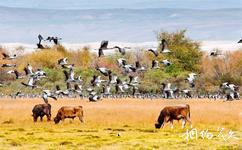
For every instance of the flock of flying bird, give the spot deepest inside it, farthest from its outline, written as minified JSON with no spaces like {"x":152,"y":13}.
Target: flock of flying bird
{"x":227,"y":90}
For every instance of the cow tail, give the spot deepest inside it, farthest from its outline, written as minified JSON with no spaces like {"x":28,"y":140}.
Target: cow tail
{"x":189,"y":111}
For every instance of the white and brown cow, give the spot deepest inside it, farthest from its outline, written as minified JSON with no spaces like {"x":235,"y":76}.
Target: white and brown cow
{"x":170,"y":113}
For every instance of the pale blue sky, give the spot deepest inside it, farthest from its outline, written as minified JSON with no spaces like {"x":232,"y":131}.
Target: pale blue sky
{"x":102,"y":4}
{"x":127,"y":25}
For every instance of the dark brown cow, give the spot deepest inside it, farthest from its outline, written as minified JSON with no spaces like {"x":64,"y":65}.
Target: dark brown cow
{"x":42,"y":110}
{"x":171,"y":113}
{"x":69,"y":112}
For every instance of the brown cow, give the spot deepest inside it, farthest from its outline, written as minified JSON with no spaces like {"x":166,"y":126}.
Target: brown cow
{"x":41,"y":110}
{"x":69,"y":112}
{"x":171,"y":113}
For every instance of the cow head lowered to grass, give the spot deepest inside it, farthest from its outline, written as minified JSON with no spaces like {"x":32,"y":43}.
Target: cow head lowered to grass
{"x":69,"y":112}
{"x":170,"y":113}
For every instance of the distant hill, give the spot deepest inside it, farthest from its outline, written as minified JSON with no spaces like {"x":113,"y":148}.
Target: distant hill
{"x":127,"y":25}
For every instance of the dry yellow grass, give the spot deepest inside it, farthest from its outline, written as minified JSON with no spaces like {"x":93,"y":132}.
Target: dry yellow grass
{"x":133,"y":119}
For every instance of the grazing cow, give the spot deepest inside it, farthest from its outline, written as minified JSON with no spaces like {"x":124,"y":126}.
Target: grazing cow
{"x":42,"y":110}
{"x":171,"y":113}
{"x":69,"y":112}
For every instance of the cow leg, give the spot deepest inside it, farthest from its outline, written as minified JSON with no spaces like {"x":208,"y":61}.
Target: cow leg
{"x":81,"y":119}
{"x":62,"y":119}
{"x":166,"y":119}
{"x":171,"y":122}
{"x":183,"y":123}
{"x":41,"y":118}
{"x":190,"y":122}
{"x":35,"y":118}
{"x":48,"y":117}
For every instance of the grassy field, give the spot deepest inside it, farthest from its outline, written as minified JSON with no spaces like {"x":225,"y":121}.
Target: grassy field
{"x":119,"y":124}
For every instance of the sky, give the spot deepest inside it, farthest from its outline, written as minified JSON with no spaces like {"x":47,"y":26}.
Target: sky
{"x":136,"y":4}
{"x":203,"y":19}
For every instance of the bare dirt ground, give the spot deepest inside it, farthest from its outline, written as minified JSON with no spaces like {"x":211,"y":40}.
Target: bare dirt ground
{"x":120,"y":124}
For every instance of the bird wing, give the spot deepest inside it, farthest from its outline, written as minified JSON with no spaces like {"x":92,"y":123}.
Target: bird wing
{"x":30,"y":69}
{"x":40,"y":37}
{"x":154,"y":52}
{"x":164,"y":45}
{"x":137,"y":64}
{"x":47,"y":92}
{"x":154,"y":63}
{"x":45,"y":98}
{"x":16,"y":73}
{"x":72,"y":74}
{"x":31,"y":81}
{"x":93,"y":80}
{"x":68,"y":85}
{"x":5,"y":55}
{"x":131,"y":79}
{"x":100,"y":52}
{"x":26,"y":71}
{"x":66,"y":75}
{"x":57,"y":87}
{"x":52,"y":96}
{"x":60,"y":61}
{"x":104,"y":45}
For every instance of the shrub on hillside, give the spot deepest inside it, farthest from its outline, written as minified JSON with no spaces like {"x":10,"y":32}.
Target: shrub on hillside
{"x":40,"y":59}
{"x":186,"y":53}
